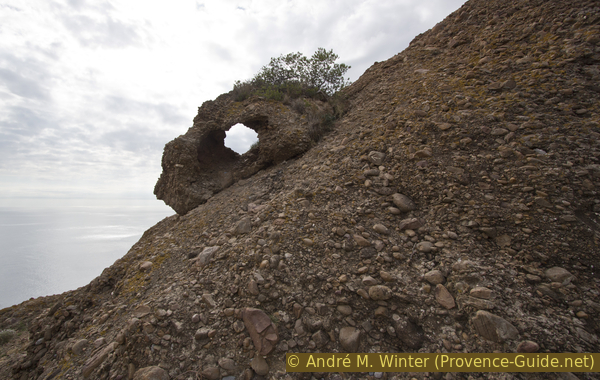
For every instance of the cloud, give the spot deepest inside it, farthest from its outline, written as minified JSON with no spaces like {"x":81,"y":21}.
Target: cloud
{"x":220,"y":51}
{"x":125,"y":107}
{"x":107,"y":32}
{"x":22,"y":121}
{"x":27,"y":78}
{"x":22,"y":86}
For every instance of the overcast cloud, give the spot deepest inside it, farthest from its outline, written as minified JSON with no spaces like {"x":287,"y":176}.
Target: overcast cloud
{"x":90,"y":91}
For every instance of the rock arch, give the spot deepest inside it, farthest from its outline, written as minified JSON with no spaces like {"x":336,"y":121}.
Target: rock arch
{"x":197,"y":165}
{"x":240,"y":138}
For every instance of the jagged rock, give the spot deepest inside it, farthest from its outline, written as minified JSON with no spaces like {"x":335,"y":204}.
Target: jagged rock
{"x":151,"y":373}
{"x":197,"y":164}
{"x":493,"y":327}
{"x":262,"y":331}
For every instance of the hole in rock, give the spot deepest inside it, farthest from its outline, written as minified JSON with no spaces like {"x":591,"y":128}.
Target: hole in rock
{"x":240,"y":138}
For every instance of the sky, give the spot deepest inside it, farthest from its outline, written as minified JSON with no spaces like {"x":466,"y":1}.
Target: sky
{"x":91,"y":91}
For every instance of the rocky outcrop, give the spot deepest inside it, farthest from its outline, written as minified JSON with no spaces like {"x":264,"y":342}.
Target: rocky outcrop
{"x":197,"y":164}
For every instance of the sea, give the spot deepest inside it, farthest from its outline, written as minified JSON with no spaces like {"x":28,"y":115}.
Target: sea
{"x":49,"y":246}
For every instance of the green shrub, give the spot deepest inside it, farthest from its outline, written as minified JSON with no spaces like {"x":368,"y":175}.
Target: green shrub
{"x":295,"y":75}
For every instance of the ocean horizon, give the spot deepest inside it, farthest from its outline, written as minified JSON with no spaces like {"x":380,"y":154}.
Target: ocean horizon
{"x":50,"y":246}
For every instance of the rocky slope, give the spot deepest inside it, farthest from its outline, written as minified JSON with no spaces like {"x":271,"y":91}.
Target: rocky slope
{"x":452,"y":209}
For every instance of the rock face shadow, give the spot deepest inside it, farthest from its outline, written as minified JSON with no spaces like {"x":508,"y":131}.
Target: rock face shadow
{"x":197,"y":164}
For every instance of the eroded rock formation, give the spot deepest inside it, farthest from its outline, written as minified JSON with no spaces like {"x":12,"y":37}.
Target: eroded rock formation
{"x":197,"y":164}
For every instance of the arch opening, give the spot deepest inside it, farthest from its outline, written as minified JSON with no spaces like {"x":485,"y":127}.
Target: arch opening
{"x":240,"y":138}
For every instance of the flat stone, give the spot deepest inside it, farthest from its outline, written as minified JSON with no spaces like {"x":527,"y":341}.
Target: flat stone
{"x":253,"y":288}
{"x":369,"y":281}
{"x":476,"y":303}
{"x":410,"y":224}
{"x":142,"y":311}
{"x":308,"y":242}
{"x":425,"y":246}
{"x":493,"y":327}
{"x":350,"y":338}
{"x":481,"y":292}
{"x":394,"y":211}
{"x":558,"y":274}
{"x":434,"y":277}
{"x":381,"y":229}
{"x":261,"y":329}
{"x":361,"y":241}
{"x":244,"y":226}
{"x":344,"y":309}
{"x":403,"y":203}
{"x":151,"y":373}
{"x":376,"y":158}
{"x":443,"y":297}
{"x":380,"y":293}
